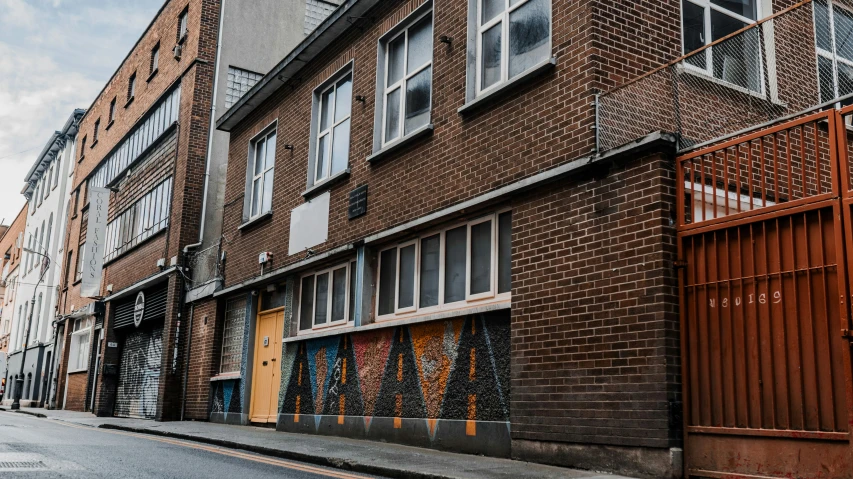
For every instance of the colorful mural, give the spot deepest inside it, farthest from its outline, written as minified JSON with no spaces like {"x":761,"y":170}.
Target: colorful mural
{"x":436,"y":373}
{"x":226,"y":397}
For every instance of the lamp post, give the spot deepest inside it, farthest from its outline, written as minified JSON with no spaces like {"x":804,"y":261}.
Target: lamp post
{"x":19,"y":383}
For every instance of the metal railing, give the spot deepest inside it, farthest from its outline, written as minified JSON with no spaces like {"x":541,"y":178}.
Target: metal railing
{"x":793,"y":62}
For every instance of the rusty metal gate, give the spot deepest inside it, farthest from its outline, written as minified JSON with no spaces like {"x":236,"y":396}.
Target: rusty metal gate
{"x":765,"y":240}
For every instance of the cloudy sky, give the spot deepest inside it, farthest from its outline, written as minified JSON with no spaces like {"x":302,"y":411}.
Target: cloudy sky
{"x":55,"y":56}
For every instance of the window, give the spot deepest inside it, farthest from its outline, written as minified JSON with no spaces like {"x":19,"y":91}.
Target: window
{"x":526,"y":24}
{"x":69,"y":262}
{"x":78,"y":357}
{"x":447,"y":269}
{"x":47,"y":239}
{"x":131,"y":87}
{"x":406,"y":81}
{"x":82,"y":149}
{"x":95,"y":132}
{"x":39,"y":192}
{"x":142,"y":220}
{"x":81,"y":250}
{"x":112,"y":110}
{"x":49,"y":180}
{"x":737,"y":60}
{"x":326,"y":297}
{"x":261,"y":173}
{"x":232,"y":335}
{"x":331,"y":129}
{"x":239,"y":83}
{"x":155,"y":59}
{"x":834,"y":39}
{"x":182,"y":25}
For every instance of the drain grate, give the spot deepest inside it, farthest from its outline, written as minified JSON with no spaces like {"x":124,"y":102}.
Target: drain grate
{"x":21,"y":464}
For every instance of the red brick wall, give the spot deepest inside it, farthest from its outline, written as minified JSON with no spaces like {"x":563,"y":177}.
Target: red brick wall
{"x":76,"y":398}
{"x":204,"y":358}
{"x":595,"y":356}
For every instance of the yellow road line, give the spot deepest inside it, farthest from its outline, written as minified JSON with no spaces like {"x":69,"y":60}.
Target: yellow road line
{"x":227,"y":452}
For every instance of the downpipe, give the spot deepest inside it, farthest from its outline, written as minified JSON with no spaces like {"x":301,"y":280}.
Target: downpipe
{"x":187,"y":361}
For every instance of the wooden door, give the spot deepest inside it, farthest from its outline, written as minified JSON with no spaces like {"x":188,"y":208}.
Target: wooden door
{"x":266,"y":378}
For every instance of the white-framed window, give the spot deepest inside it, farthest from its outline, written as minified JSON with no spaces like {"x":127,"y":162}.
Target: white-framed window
{"x":512,"y":36}
{"x":155,"y":59}
{"x":331,"y":127}
{"x":240,"y":81}
{"x":261,"y":173}
{"x":405,"y":78}
{"x":142,"y":220}
{"x":182,"y":25}
{"x":131,"y":90}
{"x":78,"y":357}
{"x":112,"y":115}
{"x":232,"y":335}
{"x":465,"y":264}
{"x":736,"y":61}
{"x":834,"y":43}
{"x":327,"y":297}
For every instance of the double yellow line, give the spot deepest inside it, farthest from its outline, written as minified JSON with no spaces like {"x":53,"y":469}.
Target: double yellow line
{"x":229,"y":452}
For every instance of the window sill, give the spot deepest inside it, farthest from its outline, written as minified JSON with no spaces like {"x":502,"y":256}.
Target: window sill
{"x":110,"y":124}
{"x":152,"y":75}
{"x":129,"y":101}
{"x":393,"y":323}
{"x":76,"y":371}
{"x":77,"y":281}
{"x":402,"y":143}
{"x":253,"y":222}
{"x":93,"y":144}
{"x":507,"y":88}
{"x":325,"y":185}
{"x":226,"y":377}
{"x":82,"y":157}
{"x":700,"y":73}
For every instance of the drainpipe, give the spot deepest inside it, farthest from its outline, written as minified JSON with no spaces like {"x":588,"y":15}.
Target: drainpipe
{"x":212,"y":128}
{"x":187,"y":361}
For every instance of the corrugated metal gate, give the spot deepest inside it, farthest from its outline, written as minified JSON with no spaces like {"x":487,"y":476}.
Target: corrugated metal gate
{"x":139,"y":378}
{"x":765,"y":357}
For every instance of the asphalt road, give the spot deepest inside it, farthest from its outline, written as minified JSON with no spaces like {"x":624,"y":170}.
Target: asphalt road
{"x":40,"y":448}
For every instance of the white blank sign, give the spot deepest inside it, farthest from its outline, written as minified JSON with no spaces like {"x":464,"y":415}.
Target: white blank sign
{"x":309,"y":224}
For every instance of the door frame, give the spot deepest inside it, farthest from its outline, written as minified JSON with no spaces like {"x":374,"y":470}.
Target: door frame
{"x":256,"y":348}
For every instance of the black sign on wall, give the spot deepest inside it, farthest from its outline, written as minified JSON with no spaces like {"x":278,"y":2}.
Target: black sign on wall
{"x":358,"y":202}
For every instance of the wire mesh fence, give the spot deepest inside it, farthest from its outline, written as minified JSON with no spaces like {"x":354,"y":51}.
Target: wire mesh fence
{"x":795,"y":61}
{"x":205,"y":266}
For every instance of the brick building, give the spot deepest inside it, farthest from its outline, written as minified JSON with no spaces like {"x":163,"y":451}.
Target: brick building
{"x":454,"y":266}
{"x":148,"y":155}
{"x":10,"y":248}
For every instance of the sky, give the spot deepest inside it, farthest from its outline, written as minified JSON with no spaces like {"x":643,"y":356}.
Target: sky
{"x":55,"y":56}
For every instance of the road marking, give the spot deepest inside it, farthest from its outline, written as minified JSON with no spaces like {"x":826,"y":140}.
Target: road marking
{"x":226,"y":452}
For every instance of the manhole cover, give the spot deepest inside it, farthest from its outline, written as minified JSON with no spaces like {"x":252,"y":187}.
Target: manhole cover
{"x":21,"y":464}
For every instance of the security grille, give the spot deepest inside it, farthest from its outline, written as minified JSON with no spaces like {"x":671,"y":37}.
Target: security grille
{"x":139,"y":374}
{"x":21,"y":465}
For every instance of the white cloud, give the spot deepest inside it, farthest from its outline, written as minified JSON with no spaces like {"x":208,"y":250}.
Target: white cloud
{"x":55,"y":56}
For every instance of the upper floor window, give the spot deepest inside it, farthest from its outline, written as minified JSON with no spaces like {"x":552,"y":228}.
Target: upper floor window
{"x":461,"y":265}
{"x":182,"y":25}
{"x":834,"y":41}
{"x":327,"y":297}
{"x":82,"y":148}
{"x":56,"y":167}
{"x":239,"y":83}
{"x":96,"y":131}
{"x":131,"y":88}
{"x":406,"y":79}
{"x":112,"y":115}
{"x":736,"y":61}
{"x":512,"y":36}
{"x":155,"y":59}
{"x":261,"y":174}
{"x":331,"y":127}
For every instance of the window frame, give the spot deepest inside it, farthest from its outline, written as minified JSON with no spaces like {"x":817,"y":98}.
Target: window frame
{"x":85,"y":329}
{"x":316,"y":133}
{"x":329,"y":324}
{"x":112,"y":111}
{"x":265,"y":134}
{"x":241,"y":303}
{"x":96,"y":130}
{"x":183,"y":25}
{"x":155,"y":59}
{"x":480,"y":28}
{"x":131,"y":88}
{"x":832,"y":56}
{"x":708,"y":6}
{"x":384,"y":89}
{"x":490,"y":297}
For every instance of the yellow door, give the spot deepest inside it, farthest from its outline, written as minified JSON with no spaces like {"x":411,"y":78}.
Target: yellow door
{"x":266,"y":377}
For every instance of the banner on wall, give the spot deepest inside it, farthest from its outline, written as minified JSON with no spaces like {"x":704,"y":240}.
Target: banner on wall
{"x":93,"y":249}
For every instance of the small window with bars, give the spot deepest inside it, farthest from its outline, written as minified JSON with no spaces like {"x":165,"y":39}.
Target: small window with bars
{"x":239,"y":83}
{"x":232,"y":336}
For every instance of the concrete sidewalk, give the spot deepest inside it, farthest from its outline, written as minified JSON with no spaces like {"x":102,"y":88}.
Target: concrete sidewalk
{"x":368,"y":457}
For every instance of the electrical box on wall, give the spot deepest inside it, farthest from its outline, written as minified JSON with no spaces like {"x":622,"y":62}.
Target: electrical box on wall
{"x":264,"y":257}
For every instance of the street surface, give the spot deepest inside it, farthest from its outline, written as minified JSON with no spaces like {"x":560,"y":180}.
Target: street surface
{"x":41,"y":448}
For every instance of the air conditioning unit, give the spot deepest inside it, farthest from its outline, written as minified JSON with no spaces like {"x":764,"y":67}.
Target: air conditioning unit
{"x":178,"y":51}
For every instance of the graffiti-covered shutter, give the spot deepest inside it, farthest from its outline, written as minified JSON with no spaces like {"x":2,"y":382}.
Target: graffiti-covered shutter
{"x":139,"y":375}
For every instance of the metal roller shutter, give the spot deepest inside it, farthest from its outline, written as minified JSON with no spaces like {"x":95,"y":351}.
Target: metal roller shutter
{"x":139,"y":376}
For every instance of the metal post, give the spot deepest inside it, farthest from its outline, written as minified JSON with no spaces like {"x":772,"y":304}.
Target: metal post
{"x":19,"y":383}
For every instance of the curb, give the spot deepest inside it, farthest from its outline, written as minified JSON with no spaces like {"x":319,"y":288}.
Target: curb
{"x":36,"y":414}
{"x":344,"y":464}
